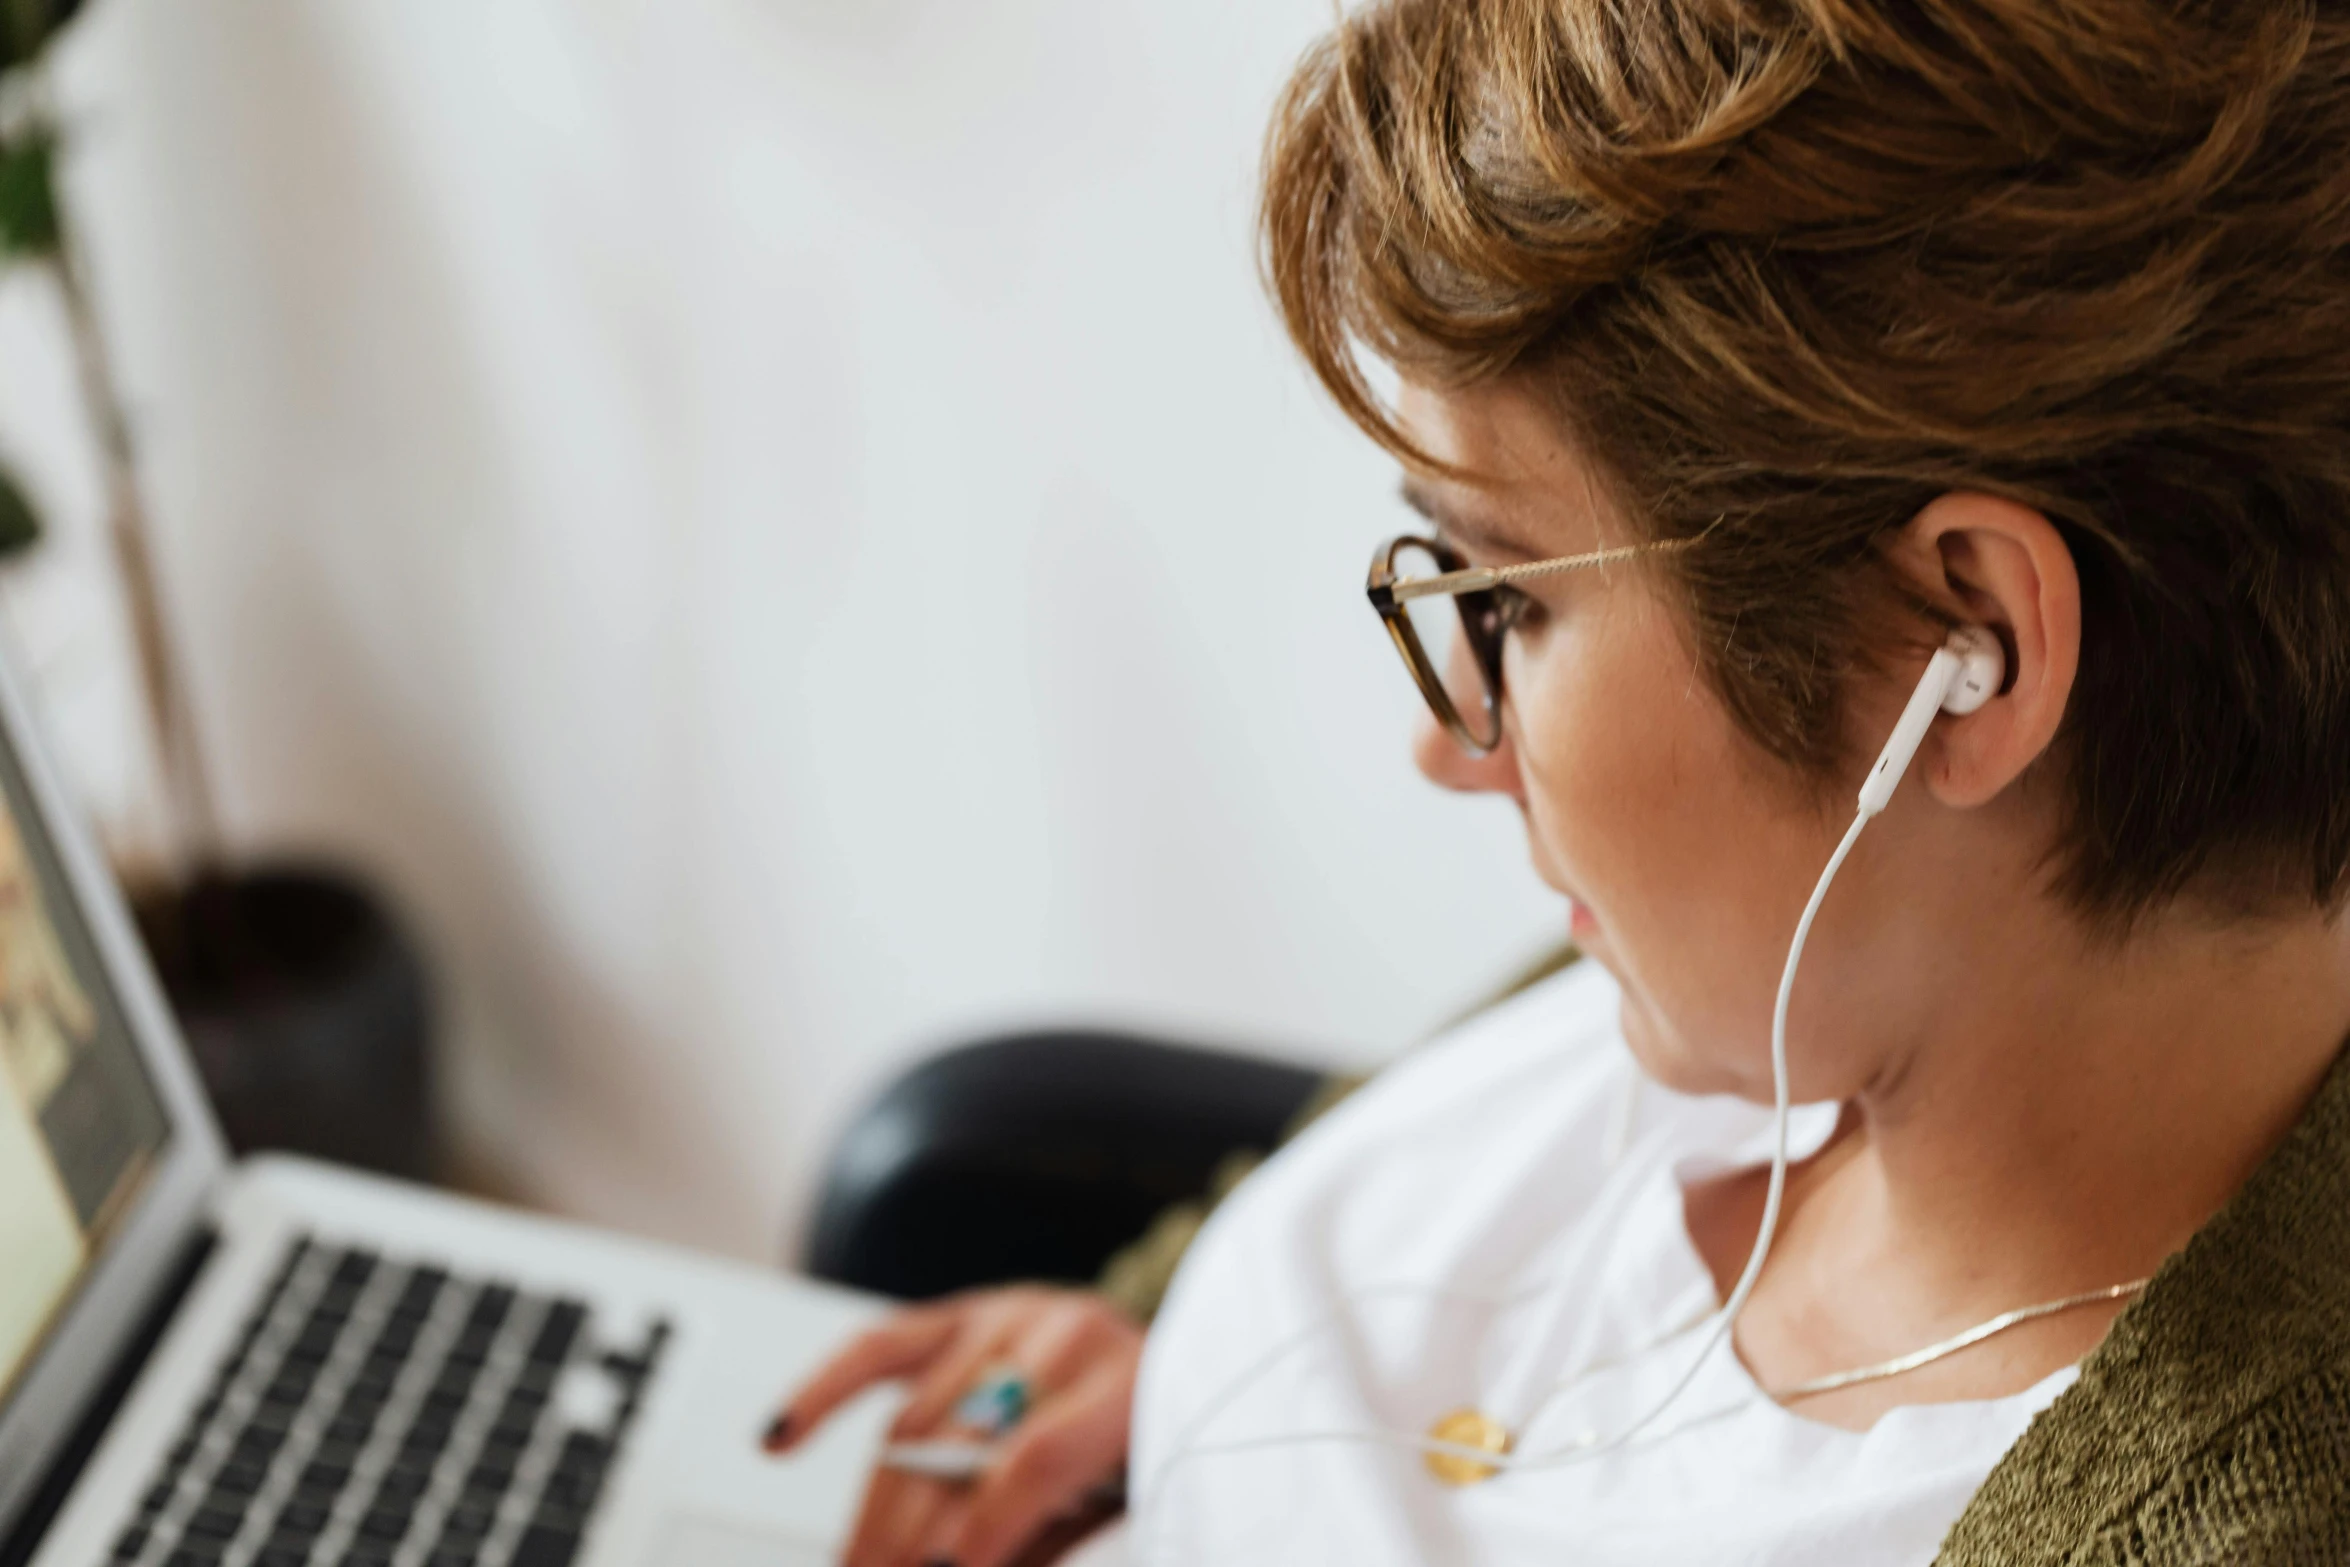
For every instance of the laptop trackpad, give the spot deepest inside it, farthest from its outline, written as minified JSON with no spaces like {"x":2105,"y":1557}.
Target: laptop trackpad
{"x":706,"y":1542}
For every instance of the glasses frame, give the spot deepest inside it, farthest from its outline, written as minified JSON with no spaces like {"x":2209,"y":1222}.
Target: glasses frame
{"x":1480,"y":617}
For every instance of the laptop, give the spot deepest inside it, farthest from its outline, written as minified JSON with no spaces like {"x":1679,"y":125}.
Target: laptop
{"x":277,"y":1363}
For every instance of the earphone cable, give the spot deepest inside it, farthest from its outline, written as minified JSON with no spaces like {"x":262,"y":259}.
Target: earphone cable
{"x":1727,"y":1318}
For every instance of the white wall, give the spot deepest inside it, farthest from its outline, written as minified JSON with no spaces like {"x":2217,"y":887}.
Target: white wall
{"x":783,"y":528}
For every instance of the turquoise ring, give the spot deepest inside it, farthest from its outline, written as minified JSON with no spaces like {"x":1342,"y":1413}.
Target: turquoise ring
{"x":998,"y":1401}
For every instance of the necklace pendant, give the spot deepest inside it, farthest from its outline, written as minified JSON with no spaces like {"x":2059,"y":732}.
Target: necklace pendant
{"x":1466,"y":1428}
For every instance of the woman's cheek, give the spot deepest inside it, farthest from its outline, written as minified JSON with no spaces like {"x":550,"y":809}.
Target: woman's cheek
{"x":1589,"y":768}
{"x":1637,"y":803}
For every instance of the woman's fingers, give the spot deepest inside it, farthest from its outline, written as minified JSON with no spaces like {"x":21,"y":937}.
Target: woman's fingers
{"x":951,"y":1373}
{"x":897,"y":1347}
{"x":1042,"y":1337}
{"x":1053,"y":1347}
{"x":1074,"y":1443}
{"x":900,"y":1514}
{"x":1080,"y":1357}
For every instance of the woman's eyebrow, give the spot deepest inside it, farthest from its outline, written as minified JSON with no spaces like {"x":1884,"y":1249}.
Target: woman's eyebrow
{"x":1455,"y":528}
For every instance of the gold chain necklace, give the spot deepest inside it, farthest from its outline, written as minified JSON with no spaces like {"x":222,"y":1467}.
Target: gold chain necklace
{"x":1474,"y":1429}
{"x":1956,"y":1342}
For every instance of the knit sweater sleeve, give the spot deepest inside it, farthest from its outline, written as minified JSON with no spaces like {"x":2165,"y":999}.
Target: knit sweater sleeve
{"x":2271,"y":1491}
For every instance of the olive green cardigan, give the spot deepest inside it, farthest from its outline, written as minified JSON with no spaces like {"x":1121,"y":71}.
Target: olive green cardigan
{"x":2213,"y":1424}
{"x":2211,"y":1427}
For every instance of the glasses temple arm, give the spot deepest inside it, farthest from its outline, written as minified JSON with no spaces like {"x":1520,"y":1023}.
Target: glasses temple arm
{"x":1481,"y":579}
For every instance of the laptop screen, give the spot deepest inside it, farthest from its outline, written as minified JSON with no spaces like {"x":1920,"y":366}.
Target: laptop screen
{"x":81,"y":1124}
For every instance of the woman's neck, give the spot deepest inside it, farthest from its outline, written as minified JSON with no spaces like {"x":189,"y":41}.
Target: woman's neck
{"x":2094,"y":1107}
{"x":2065,"y":1129}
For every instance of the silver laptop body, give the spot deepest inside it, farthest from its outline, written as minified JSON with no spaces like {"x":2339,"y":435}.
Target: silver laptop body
{"x":275,"y":1363}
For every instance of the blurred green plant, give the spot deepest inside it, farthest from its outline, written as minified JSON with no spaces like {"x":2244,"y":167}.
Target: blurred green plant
{"x":37,"y":232}
{"x":29,"y":230}
{"x":20,"y":525}
{"x":27,"y":26}
{"x":28,"y":197}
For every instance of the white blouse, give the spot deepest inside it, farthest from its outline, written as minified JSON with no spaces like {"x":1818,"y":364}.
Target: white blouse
{"x":1496,"y":1222}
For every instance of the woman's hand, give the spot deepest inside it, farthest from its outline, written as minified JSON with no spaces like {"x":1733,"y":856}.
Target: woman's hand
{"x":1079,"y":1354}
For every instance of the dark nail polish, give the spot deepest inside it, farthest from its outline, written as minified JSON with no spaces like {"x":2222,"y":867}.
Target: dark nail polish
{"x":779,"y":1434}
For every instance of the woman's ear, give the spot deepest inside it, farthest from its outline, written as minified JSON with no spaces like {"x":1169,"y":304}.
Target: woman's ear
{"x":2004,"y":567}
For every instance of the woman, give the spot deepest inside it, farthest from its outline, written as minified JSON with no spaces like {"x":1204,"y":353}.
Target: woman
{"x":1831,"y":327}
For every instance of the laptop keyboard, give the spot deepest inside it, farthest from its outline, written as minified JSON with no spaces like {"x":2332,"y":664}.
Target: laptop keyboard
{"x":379,"y":1414}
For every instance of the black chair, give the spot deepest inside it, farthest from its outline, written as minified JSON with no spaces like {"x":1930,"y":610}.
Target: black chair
{"x":1036,"y":1156}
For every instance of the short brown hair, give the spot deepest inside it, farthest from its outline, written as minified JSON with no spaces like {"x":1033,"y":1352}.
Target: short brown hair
{"x":1804,"y":265}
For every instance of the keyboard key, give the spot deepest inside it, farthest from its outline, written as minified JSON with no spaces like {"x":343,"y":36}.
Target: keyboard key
{"x":490,"y":1476}
{"x":384,"y":1525}
{"x":542,"y":1545}
{"x":473,"y":1517}
{"x":213,"y":1523}
{"x":304,"y":1518}
{"x":557,"y":1333}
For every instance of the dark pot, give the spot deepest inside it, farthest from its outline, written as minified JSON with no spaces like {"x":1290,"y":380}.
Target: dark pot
{"x":307,"y":1010}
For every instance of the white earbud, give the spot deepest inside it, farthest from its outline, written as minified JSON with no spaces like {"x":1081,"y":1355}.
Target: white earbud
{"x":1964,"y":673}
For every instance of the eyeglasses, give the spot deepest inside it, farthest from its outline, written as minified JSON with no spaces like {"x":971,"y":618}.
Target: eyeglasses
{"x":1429,"y":596}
